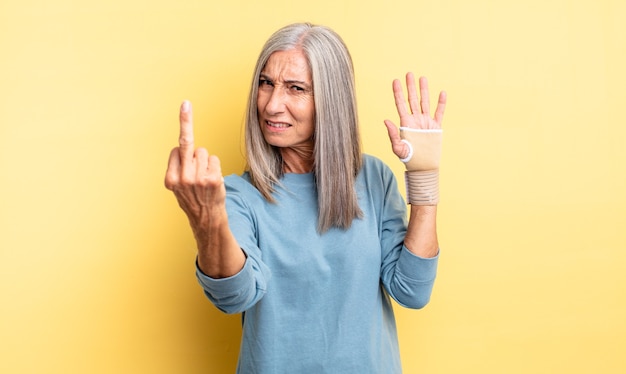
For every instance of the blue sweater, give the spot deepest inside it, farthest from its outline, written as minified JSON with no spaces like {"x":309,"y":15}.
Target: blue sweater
{"x":320,"y":303}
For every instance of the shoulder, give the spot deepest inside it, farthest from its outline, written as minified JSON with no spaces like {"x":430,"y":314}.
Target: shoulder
{"x":242,"y":202}
{"x":376,"y":176}
{"x":372,"y":166}
{"x":240,"y":185}
{"x":237,"y":181}
{"x":372,"y":160}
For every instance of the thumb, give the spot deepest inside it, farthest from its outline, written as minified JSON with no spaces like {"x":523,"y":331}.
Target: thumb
{"x":399,"y":147}
{"x":392,"y":130}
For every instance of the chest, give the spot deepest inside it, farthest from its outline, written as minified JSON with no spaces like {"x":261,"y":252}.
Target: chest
{"x":296,"y":252}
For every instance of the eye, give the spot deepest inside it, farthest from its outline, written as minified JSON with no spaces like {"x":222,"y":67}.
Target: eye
{"x":297,"y":88}
{"x":265,"y":82}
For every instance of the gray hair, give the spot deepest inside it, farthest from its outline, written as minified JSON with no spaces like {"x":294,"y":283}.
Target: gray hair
{"x":337,"y":151}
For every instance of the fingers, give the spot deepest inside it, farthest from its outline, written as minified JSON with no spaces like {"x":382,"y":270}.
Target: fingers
{"x":204,"y":171}
{"x":172,"y":175}
{"x":441,"y":106}
{"x":398,"y":96}
{"x":424,"y":96}
{"x":185,"y":139}
{"x":413,"y":99}
{"x":201,"y":157}
{"x":216,"y":168}
{"x":417,"y":104}
{"x":192,"y":174}
{"x":208,"y":168}
{"x":419,"y":115}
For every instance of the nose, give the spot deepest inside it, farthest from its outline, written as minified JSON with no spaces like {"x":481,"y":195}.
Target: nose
{"x":276,"y":101}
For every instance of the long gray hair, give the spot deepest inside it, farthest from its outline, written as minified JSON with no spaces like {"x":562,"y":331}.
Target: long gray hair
{"x":337,"y":151}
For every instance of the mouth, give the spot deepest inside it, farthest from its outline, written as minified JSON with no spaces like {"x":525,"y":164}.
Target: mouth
{"x":277,"y":125}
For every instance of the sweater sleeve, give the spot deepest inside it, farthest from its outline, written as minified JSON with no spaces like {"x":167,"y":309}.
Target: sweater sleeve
{"x":237,"y":293}
{"x":241,"y":291}
{"x":412,"y":282}
{"x":407,"y":278}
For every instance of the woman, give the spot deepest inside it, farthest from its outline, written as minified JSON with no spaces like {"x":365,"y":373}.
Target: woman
{"x":312,"y":240}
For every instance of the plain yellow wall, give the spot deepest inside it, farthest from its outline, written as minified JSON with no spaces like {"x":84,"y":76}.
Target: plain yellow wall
{"x":96,"y":258}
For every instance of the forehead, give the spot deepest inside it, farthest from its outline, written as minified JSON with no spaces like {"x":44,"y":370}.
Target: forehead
{"x":288,"y":65}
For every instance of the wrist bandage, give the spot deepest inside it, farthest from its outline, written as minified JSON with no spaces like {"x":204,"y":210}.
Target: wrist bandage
{"x":422,"y":165}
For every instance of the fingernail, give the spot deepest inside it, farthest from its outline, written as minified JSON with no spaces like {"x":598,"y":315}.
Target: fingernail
{"x":185,"y":106}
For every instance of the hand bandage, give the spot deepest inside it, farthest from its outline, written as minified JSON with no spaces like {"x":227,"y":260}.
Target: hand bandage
{"x":422,"y":165}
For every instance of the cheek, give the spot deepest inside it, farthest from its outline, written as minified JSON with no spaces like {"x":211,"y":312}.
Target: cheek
{"x":307,"y":110}
{"x":309,"y":119}
{"x":260,"y":102}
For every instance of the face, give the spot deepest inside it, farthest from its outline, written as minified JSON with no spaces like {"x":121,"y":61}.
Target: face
{"x":285,"y":100}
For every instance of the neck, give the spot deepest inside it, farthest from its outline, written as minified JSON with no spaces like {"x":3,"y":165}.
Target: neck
{"x":297,"y":160}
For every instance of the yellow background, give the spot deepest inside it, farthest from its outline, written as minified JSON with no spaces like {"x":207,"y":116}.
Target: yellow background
{"x":96,"y":258}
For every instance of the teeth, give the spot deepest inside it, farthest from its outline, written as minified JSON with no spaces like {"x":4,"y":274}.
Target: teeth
{"x":278,"y":125}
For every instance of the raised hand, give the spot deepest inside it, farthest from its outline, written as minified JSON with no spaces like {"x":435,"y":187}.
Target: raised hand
{"x":417,"y":116}
{"x":196,"y":179}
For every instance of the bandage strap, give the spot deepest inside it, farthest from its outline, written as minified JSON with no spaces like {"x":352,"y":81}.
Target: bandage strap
{"x":422,"y":164}
{"x":422,"y":187}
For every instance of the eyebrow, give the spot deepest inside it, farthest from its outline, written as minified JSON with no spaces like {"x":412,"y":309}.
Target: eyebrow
{"x":289,"y":81}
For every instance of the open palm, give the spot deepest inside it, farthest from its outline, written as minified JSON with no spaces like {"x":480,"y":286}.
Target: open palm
{"x":417,"y":115}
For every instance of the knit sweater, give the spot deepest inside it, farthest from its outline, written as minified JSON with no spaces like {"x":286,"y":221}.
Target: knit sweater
{"x":320,"y":303}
